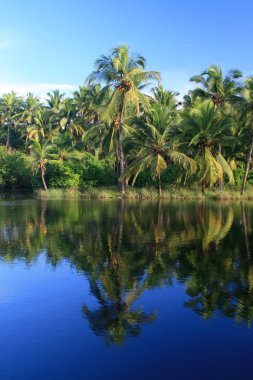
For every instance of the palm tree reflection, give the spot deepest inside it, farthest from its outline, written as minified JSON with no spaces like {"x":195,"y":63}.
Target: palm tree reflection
{"x":124,"y":249}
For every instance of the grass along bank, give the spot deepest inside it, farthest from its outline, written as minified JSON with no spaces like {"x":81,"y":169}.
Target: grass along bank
{"x":144,"y":193}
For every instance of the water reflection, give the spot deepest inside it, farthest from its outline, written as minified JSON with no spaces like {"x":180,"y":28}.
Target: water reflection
{"x":126,"y":248}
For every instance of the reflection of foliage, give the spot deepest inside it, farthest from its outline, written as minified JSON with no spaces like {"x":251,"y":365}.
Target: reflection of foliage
{"x":115,"y":319}
{"x":125,"y":249}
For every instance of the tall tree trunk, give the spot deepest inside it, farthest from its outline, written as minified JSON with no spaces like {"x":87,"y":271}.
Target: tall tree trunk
{"x":247,"y":165}
{"x":120,"y":144}
{"x":220,"y":180}
{"x":203,"y":186}
{"x":43,"y":178}
{"x":185,"y":179}
{"x":159,"y":185}
{"x":8,"y":138}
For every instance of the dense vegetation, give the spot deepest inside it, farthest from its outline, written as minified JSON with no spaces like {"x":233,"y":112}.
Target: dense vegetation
{"x":111,"y":132}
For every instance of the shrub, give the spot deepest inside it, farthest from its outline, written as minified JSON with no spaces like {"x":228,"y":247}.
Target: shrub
{"x":60,"y":174}
{"x":98,"y":172}
{"x":15,"y":169}
{"x":239,"y":174}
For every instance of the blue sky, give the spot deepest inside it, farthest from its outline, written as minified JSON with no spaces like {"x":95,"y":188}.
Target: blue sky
{"x":53,"y":43}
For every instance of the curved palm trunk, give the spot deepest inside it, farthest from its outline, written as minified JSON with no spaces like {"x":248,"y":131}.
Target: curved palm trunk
{"x":159,"y":185}
{"x":247,"y":166}
{"x":121,"y":163}
{"x":43,"y":178}
{"x":203,"y":186}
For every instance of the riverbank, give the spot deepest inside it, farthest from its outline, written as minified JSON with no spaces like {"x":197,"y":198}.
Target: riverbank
{"x":144,"y":193}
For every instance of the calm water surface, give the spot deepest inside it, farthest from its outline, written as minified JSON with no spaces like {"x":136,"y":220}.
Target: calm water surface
{"x":125,"y":290}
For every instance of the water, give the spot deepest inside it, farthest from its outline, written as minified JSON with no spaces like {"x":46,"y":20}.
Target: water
{"x":120,"y":290}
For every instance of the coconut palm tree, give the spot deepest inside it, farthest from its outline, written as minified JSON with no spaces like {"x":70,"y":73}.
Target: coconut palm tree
{"x":41,"y":153}
{"x":214,"y":86}
{"x":10,"y":106}
{"x":43,"y":127}
{"x":69,"y":120}
{"x":88,"y":101}
{"x":204,"y":129}
{"x":54,"y":101}
{"x":223,"y":91}
{"x":32,"y":109}
{"x":247,"y":115}
{"x":124,"y":75}
{"x":166,"y":98}
{"x":153,"y":146}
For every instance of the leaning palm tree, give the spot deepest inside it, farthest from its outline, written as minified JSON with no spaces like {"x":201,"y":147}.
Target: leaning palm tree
{"x":124,"y":74}
{"x":247,"y":94}
{"x":41,"y":153}
{"x":204,"y":129}
{"x":153,"y":146}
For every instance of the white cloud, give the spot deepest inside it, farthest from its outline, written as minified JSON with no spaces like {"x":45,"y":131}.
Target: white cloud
{"x":39,"y":89}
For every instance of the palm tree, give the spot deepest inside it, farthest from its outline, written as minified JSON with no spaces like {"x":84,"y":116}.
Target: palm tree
{"x":124,"y":74}
{"x":32,"y":109}
{"x":54,"y":101}
{"x":153,"y":146}
{"x":43,"y":126}
{"x":88,"y":101}
{"x":204,"y":129}
{"x":41,"y":153}
{"x":165,"y":98}
{"x":69,"y":120}
{"x":247,"y":94}
{"x":221,"y":90}
{"x":10,"y":107}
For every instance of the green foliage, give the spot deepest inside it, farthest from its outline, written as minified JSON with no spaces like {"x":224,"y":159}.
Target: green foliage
{"x":15,"y":170}
{"x":59,"y":174}
{"x":98,"y":172}
{"x":153,"y":147}
{"x":239,"y":174}
{"x":110,"y":132}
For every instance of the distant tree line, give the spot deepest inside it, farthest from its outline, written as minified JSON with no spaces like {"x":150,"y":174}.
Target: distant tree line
{"x":111,"y":131}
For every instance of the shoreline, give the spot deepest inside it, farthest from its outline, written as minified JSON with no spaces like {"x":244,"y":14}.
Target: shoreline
{"x":144,"y":194}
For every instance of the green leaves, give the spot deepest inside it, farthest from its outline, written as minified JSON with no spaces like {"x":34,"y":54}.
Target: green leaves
{"x":125,"y":74}
{"x":210,"y":169}
{"x":152,"y":143}
{"x":226,"y":169}
{"x":207,"y":129}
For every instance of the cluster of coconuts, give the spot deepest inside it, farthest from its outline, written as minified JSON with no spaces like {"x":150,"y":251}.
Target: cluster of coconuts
{"x":116,"y":121}
{"x":217,"y":99}
{"x":124,"y":86}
